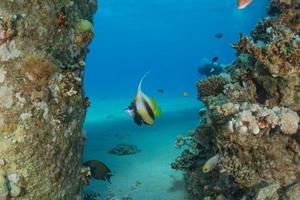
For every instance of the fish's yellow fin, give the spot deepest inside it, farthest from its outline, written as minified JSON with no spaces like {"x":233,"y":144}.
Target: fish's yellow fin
{"x":156,"y":109}
{"x":157,"y":112}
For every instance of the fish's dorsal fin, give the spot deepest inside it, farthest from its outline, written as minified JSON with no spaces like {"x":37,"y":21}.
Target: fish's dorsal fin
{"x":141,"y":81}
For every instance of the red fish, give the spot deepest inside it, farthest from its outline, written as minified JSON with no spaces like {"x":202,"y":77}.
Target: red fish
{"x":243,"y":3}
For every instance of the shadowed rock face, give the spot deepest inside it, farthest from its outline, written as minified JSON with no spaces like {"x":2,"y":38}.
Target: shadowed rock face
{"x":42,"y":52}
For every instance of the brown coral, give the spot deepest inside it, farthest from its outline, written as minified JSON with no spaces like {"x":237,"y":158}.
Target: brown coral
{"x":279,"y":57}
{"x":7,"y":28}
{"x":251,"y":159}
{"x":272,"y":62}
{"x":212,"y":86}
{"x":38,"y":70}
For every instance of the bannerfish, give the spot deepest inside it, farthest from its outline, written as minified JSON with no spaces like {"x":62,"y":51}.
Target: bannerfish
{"x":210,"y":164}
{"x":143,"y":109}
{"x":243,"y":3}
{"x":99,"y":170}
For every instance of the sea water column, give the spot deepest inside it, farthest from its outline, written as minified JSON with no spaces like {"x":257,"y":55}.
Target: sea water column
{"x":42,"y":104}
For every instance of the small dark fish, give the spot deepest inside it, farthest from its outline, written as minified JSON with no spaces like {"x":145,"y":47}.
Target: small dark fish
{"x":215,"y":59}
{"x":99,"y":170}
{"x":87,"y":102}
{"x":160,"y":90}
{"x":219,"y":35}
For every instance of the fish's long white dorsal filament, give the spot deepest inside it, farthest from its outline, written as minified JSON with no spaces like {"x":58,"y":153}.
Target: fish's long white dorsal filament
{"x":141,"y":81}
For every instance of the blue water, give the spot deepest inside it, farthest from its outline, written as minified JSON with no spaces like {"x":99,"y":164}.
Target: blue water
{"x":171,"y":39}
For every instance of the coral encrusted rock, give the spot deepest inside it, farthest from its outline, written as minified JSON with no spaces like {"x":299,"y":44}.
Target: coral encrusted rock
{"x":254,"y":115}
{"x":42,"y":98}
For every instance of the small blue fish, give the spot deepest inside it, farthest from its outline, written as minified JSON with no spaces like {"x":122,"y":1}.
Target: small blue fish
{"x":143,"y":109}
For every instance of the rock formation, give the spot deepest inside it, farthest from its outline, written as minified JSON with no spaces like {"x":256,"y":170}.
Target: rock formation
{"x":43,"y":45}
{"x":251,"y":117}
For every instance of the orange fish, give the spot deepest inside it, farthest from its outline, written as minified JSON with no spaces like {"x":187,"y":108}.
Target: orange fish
{"x":243,"y":3}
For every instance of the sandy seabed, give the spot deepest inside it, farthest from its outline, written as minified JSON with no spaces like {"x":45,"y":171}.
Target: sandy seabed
{"x":147,"y":174}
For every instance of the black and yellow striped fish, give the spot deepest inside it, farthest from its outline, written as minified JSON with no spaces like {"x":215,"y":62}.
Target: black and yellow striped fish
{"x":143,"y":109}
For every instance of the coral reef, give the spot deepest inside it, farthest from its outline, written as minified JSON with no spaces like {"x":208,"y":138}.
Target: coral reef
{"x":124,"y":149}
{"x":251,"y":117}
{"x":41,"y":97}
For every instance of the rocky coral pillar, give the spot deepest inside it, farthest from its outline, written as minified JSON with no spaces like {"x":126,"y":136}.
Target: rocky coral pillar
{"x":42,"y":108}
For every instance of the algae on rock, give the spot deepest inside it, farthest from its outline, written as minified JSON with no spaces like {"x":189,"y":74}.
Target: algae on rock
{"x":42,"y":98}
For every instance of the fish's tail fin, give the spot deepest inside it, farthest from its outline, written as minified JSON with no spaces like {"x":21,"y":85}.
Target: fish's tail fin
{"x":108,"y":177}
{"x":157,"y":112}
{"x":141,"y":81}
{"x":156,"y":109}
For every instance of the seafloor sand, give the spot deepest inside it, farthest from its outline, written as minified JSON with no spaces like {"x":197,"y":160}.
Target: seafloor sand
{"x":146,"y":175}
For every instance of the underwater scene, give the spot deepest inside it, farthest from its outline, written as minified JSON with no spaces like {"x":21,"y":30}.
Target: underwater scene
{"x":149,"y":100}
{"x":157,"y":149}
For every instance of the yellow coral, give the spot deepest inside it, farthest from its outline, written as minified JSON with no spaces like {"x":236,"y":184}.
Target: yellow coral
{"x":84,"y":26}
{"x":84,"y":32}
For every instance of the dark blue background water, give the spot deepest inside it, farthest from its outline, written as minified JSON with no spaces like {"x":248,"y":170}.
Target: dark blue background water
{"x":168,"y":37}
